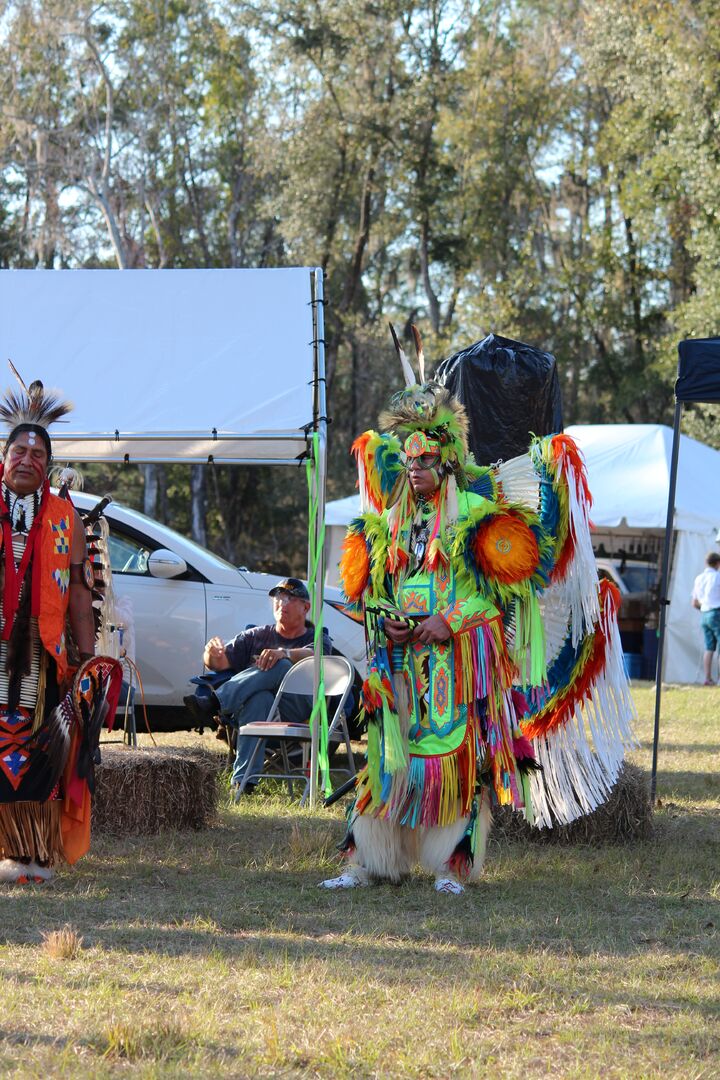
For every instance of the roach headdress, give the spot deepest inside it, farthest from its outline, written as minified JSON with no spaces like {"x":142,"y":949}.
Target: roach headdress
{"x":422,"y":419}
{"x":426,"y":417}
{"x":31,"y":408}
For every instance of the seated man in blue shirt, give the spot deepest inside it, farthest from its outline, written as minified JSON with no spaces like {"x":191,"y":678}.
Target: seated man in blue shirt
{"x":260,"y":657}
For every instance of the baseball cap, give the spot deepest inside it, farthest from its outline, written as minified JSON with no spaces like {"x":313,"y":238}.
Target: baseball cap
{"x":291,"y":585}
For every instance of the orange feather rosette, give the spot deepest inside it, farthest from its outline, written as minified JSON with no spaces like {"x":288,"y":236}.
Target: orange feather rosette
{"x":506,"y":549}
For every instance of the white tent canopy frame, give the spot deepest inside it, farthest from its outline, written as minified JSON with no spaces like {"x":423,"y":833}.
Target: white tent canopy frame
{"x":180,"y":366}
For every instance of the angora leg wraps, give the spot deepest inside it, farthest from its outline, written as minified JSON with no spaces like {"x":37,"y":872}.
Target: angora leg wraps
{"x":388,"y":852}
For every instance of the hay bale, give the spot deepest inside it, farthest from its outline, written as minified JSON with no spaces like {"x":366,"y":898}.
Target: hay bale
{"x":627,"y":815}
{"x":149,"y":790}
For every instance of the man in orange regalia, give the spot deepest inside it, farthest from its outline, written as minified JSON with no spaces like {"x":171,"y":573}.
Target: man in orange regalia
{"x":44,"y":578}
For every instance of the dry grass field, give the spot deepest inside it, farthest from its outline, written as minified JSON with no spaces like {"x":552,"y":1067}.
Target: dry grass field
{"x":213,"y":954}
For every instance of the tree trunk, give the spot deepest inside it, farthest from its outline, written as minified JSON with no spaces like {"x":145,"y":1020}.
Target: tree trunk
{"x":198,"y":504}
{"x":150,"y":494}
{"x":431,"y":295}
{"x":362,"y":237}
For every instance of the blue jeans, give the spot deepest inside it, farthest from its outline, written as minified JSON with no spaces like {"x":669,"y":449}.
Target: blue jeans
{"x":247,"y":698}
{"x":710,"y":622}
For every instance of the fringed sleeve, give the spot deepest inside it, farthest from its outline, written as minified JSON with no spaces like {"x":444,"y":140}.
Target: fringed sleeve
{"x":579,"y":720}
{"x":565,"y":503}
{"x":581,"y":723}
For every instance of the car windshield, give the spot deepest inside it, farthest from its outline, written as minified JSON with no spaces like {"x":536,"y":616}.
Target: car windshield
{"x":639,"y":578}
{"x":206,"y":552}
{"x":185,"y":540}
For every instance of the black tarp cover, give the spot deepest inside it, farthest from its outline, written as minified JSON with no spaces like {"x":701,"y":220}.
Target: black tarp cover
{"x":510,"y":390}
{"x":698,"y":370}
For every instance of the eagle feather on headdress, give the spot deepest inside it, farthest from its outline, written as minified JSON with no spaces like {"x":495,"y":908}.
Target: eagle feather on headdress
{"x":31,"y":404}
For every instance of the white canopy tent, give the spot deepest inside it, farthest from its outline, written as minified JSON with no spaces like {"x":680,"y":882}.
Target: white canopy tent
{"x":629,"y":475}
{"x":178,"y":366}
{"x":171,"y":365}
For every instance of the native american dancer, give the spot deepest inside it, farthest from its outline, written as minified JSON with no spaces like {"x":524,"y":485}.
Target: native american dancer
{"x":50,"y":708}
{"x":494,"y":662}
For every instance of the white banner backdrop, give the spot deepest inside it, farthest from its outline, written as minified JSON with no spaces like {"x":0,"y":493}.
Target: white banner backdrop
{"x":177,"y":355}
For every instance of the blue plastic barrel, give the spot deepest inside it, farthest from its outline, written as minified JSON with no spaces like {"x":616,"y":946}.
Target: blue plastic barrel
{"x":633,"y":665}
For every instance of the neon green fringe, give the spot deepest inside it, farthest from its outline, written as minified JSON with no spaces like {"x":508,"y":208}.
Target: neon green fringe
{"x":529,"y":649}
{"x":373,"y":760}
{"x":395,"y":752}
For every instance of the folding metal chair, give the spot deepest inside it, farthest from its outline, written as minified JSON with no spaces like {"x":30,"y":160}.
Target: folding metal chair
{"x":338,"y":677}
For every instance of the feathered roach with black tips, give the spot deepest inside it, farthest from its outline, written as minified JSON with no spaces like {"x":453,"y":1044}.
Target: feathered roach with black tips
{"x":33,"y":405}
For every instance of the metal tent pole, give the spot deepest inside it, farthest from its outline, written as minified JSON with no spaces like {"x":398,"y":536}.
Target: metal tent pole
{"x":319,"y":475}
{"x":664,"y":602}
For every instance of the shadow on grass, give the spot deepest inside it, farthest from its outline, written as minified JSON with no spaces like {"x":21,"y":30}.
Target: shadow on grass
{"x":149,"y":1040}
{"x":528,"y":979}
{"x":689,"y":785}
{"x":251,"y":884}
{"x":29,"y":1039}
{"x":681,"y":748}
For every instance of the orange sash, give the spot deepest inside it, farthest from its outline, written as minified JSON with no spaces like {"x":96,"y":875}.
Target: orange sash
{"x":55,"y":544}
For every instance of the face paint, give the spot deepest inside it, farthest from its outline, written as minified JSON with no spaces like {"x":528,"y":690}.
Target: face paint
{"x":26,"y":462}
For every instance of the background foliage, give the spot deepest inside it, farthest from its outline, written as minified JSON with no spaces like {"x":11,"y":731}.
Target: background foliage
{"x":546,"y":170}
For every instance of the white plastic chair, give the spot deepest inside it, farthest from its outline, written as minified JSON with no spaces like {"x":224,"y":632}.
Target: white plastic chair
{"x":300,"y":679}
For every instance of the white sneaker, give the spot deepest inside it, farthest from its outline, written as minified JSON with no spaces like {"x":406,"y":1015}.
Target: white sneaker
{"x":449,"y":885}
{"x":349,"y":880}
{"x":46,"y":873}
{"x":10,"y":870}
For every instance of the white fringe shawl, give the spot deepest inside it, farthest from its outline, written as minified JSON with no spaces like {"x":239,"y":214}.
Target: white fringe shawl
{"x":581,"y":760}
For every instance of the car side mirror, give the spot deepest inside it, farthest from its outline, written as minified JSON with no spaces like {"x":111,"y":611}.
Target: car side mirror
{"x":165,"y":564}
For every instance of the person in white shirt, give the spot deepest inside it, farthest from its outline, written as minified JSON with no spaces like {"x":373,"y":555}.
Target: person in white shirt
{"x":706,"y":598}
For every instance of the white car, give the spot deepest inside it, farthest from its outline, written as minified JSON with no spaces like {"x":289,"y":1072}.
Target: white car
{"x":181,"y":595}
{"x":638,"y":582}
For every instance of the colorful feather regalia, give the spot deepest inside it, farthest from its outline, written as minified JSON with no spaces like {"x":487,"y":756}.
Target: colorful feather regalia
{"x":47,"y":778}
{"x":535,"y":661}
{"x":579,"y":720}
